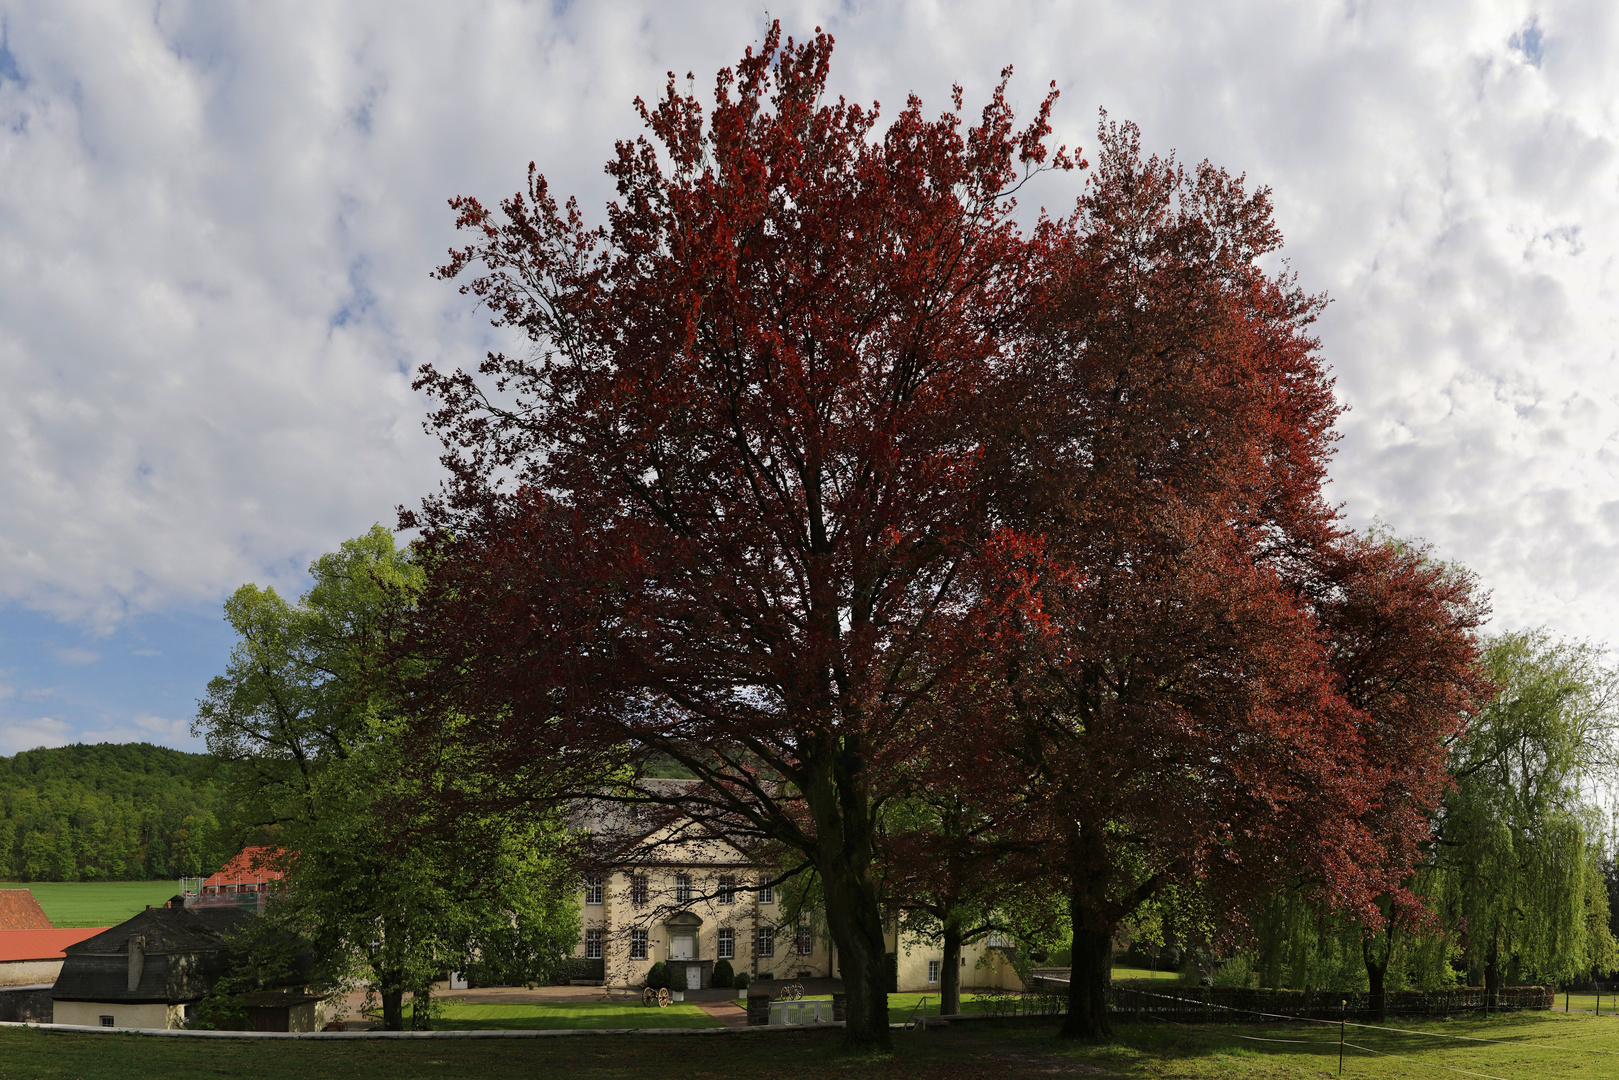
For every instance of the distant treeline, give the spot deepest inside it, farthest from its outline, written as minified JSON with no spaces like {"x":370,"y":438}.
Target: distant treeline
{"x":110,"y":812}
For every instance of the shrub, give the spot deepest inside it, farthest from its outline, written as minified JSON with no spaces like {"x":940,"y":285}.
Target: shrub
{"x":740,"y":982}
{"x":723,"y":975}
{"x":657,"y":977}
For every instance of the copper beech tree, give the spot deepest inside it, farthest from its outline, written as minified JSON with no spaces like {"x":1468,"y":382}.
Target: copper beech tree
{"x":821,"y":477}
{"x":718,"y":507}
{"x":1182,"y":652}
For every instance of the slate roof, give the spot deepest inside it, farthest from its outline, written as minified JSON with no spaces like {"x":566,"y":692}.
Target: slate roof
{"x":20,"y":911}
{"x":18,"y":945}
{"x":184,"y":953}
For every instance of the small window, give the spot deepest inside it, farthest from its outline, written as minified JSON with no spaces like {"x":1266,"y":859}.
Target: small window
{"x":106,"y":1021}
{"x":637,"y":944}
{"x":593,"y":944}
{"x":727,"y":943}
{"x":593,"y":890}
{"x":805,"y":941}
{"x":638,"y":889}
{"x":767,"y":941}
{"x":933,"y":970}
{"x":767,"y":894}
{"x":727,"y":890}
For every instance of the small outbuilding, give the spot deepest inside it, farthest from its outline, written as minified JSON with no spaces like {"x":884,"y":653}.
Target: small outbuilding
{"x":29,"y":957}
{"x":146,"y":972}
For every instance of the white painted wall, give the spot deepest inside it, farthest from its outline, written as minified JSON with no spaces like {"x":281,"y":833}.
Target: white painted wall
{"x":29,"y":972}
{"x":89,"y":1013}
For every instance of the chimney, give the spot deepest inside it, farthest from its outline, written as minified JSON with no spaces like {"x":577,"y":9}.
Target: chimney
{"x":137,"y":959}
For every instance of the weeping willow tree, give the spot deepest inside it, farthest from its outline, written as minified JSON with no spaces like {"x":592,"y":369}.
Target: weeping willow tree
{"x":1518,"y":860}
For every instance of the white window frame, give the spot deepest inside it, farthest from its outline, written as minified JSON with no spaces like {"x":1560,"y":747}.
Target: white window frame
{"x":727,"y":889}
{"x":765,"y":942}
{"x":638,"y":889}
{"x":725,"y":946}
{"x":804,"y":941}
{"x":934,"y":967}
{"x":638,"y":945}
{"x":594,"y":890}
{"x":593,"y":941}
{"x":682,"y":888}
{"x":767,"y":894}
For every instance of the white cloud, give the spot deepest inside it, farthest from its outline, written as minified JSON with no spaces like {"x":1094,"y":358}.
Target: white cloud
{"x":76,"y":657}
{"x":218,"y":224}
{"x":19,"y":735}
{"x":142,"y":727}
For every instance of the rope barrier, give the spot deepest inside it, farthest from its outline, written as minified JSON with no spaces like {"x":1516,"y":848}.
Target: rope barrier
{"x":1375,"y":1027}
{"x":1319,"y":1042}
{"x":1429,"y":1064}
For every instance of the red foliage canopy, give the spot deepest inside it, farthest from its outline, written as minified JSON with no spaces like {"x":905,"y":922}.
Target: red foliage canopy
{"x":719,"y":510}
{"x":821,"y":477}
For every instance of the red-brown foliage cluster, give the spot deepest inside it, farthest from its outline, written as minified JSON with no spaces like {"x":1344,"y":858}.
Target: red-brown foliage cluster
{"x":824,"y":479}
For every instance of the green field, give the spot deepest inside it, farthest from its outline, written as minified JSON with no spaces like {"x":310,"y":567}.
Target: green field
{"x":95,"y":903}
{"x":1530,"y":1047}
{"x":560,"y":1015}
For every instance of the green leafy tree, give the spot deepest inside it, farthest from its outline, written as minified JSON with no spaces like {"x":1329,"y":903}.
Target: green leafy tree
{"x":1518,"y":857}
{"x":310,"y":734}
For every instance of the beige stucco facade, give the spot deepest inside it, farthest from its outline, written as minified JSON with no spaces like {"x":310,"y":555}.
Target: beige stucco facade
{"x":29,"y":972}
{"x":920,"y":965}
{"x":89,"y":1013}
{"x":686,"y":914}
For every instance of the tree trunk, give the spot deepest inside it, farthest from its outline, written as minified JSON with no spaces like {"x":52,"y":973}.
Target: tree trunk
{"x":1492,"y":973}
{"x":1094,"y":920}
{"x":421,"y":1008}
{"x":1376,"y":998}
{"x":393,"y":1001}
{"x":1089,"y":977}
{"x":840,"y":804}
{"x":950,"y":974}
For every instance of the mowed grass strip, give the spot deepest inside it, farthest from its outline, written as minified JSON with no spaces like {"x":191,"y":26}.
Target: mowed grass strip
{"x":568,"y":1016}
{"x":96,"y":903}
{"x":1009,"y":1052}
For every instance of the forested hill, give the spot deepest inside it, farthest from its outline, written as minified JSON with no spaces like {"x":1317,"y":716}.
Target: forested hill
{"x":109,"y":812}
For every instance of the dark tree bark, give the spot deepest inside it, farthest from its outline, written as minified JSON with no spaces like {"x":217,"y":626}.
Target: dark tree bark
{"x":950,"y":975}
{"x":393,"y":1001}
{"x":1376,"y":972}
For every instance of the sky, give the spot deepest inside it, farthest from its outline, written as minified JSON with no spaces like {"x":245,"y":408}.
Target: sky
{"x":218,"y":225}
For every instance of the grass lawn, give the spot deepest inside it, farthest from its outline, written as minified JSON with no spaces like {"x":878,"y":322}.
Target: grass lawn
{"x":95,"y":903}
{"x":550,"y":1016}
{"x":1565,"y":1048}
{"x":1127,"y":974}
{"x":901,"y":1007}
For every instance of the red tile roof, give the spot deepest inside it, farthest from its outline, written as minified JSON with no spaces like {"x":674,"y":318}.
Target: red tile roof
{"x":41,"y":944}
{"x":20,"y":911}
{"x":251,"y":865}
